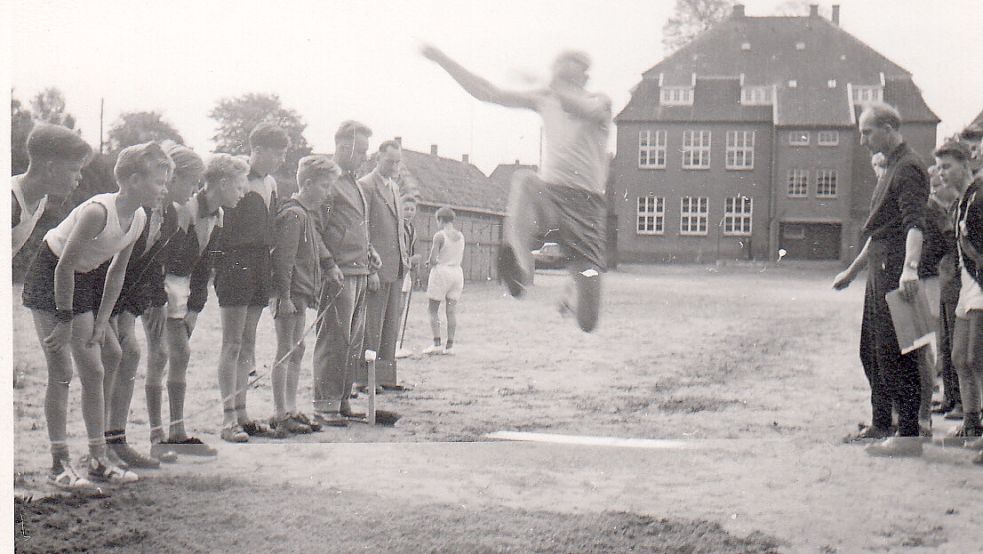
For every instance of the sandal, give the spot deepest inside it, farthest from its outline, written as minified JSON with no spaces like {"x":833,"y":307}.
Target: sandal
{"x":302,"y":418}
{"x":189,"y":445}
{"x":234,"y":433}
{"x":163,"y":452}
{"x":67,"y":478}
{"x":101,"y":469}
{"x":254,"y":428}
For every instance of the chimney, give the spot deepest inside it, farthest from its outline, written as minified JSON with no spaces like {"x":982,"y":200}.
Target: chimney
{"x":464,"y":158}
{"x":738,"y":10}
{"x":836,"y":14}
{"x":433,"y":149}
{"x":399,"y":141}
{"x":813,"y":10}
{"x":517,"y":163}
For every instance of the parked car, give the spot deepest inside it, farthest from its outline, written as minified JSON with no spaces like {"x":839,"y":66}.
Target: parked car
{"x":549,"y":256}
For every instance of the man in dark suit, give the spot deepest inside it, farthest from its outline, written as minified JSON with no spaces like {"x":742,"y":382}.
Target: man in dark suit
{"x":387,"y":235}
{"x":891,"y":254}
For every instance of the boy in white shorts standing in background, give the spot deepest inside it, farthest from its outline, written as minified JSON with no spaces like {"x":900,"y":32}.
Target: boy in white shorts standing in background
{"x":446,"y":279}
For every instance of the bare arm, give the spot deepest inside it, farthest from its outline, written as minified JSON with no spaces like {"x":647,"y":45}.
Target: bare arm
{"x":438,"y":243}
{"x":114,"y":284}
{"x":477,"y":86}
{"x":90,"y":223}
{"x":845,"y":277}
{"x":913,"y":253}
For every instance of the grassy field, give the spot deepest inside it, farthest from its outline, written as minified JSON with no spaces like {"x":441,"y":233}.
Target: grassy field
{"x":756,"y":364}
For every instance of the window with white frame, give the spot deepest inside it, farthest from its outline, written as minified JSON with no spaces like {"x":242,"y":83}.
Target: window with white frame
{"x":828,"y":138}
{"x":676,"y":96}
{"x":740,"y":149}
{"x":826,"y":183}
{"x":798,"y":138}
{"x":696,"y":149}
{"x":863,"y":94}
{"x":694,"y":212}
{"x":757,"y":96}
{"x":798,"y":183}
{"x":738,"y":215}
{"x":652,"y":149}
{"x":651,"y":218}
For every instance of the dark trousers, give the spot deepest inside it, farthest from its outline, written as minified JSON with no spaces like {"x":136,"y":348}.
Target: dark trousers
{"x":338,"y":347}
{"x":383,"y":309}
{"x":950,"y":380}
{"x":894,"y":378}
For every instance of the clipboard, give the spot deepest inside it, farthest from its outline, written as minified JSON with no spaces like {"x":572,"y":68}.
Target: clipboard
{"x":914,"y":324}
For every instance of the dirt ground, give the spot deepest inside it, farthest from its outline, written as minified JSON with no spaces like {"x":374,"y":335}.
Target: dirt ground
{"x":754,"y":369}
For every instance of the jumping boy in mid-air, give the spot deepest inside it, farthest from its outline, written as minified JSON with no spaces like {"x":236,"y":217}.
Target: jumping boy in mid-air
{"x":62,"y":290}
{"x":567,"y":196}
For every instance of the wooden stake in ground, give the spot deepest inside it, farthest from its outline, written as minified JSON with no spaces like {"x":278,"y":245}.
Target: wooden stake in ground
{"x":370,"y":362}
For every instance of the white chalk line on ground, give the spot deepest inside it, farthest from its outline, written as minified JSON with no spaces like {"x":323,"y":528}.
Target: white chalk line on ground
{"x":581,"y":440}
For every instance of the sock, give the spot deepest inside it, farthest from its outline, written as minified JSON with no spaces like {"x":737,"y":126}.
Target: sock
{"x":97,"y":448}
{"x":175,"y":399}
{"x":971,"y":422}
{"x":154,"y":394}
{"x":59,"y":453}
{"x":436,"y":341}
{"x":450,"y":344}
{"x":116,"y":436}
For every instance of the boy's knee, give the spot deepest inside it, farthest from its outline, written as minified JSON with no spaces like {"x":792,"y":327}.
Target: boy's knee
{"x":60,"y":377}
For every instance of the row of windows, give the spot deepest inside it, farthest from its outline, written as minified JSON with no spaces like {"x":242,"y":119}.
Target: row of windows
{"x":694,"y":214}
{"x":739,"y":154}
{"x":652,"y":147}
{"x":765,"y":95}
{"x":798,"y":183}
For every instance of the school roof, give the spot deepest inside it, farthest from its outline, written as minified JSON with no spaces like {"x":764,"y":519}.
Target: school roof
{"x":809,"y":60}
{"x":977,"y":121}
{"x":502,"y":174}
{"x":461,"y":185}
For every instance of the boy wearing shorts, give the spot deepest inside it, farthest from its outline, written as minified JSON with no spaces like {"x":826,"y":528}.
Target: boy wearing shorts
{"x":242,"y":276}
{"x":446,"y":279}
{"x":56,"y":155}
{"x":62,"y":293}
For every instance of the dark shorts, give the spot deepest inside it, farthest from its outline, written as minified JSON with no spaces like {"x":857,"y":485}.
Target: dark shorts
{"x":39,"y":285}
{"x":576,"y":219}
{"x":243,"y":277}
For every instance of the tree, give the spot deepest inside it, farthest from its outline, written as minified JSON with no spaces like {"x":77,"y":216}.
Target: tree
{"x":21,"y":123}
{"x":49,"y":106}
{"x":689,"y":19}
{"x":236,"y":117}
{"x":139,"y":127}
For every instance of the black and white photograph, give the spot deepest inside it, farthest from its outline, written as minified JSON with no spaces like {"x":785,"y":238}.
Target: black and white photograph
{"x":451,"y":276}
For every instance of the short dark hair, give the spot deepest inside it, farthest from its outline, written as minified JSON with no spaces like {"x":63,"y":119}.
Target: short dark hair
{"x":348,"y":129}
{"x":389,"y":144}
{"x":883,"y":114}
{"x":221,"y":166}
{"x":955,"y":149}
{"x":48,"y":142}
{"x":139,"y":159}
{"x":409,"y":199}
{"x":269,"y":135}
{"x":445,"y":215}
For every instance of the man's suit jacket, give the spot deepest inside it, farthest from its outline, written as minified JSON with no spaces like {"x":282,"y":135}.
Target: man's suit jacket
{"x":344,"y":228}
{"x":386,"y":232}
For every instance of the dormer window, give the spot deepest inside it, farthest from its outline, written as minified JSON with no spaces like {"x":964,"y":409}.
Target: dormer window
{"x":831,"y":83}
{"x":676,"y":96}
{"x":757,"y":96}
{"x":800,"y":46}
{"x":745,"y":46}
{"x":863,"y":94}
{"x":792,"y":83}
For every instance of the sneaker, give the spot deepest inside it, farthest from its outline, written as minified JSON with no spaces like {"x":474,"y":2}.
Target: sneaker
{"x":102,"y":470}
{"x":131,"y":457}
{"x":64,"y":476}
{"x":868,"y":434}
{"x":190,"y":446}
{"x":433,"y":349}
{"x":234,"y":433}
{"x":896,"y":447}
{"x":448,"y":351}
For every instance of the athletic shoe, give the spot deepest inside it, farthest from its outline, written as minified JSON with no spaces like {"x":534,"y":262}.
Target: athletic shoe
{"x":448,"y":351}
{"x":131,"y":457}
{"x":190,"y":446}
{"x":64,"y":476}
{"x":234,"y":433}
{"x":896,"y":447}
{"x":868,"y":434}
{"x":102,"y":470}
{"x":433,"y":349}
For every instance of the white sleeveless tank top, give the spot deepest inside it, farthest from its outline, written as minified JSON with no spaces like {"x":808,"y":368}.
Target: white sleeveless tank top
{"x":28,"y":220}
{"x":574,"y":149}
{"x":452,"y":252}
{"x":109,"y":242}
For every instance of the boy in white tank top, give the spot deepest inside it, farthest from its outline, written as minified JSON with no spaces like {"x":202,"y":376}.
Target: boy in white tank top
{"x":57,"y":155}
{"x":60,"y":291}
{"x":446,"y":279}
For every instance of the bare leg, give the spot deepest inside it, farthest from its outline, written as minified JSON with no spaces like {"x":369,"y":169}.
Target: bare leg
{"x":154,"y":321}
{"x":112,"y":357}
{"x":233,"y":321}
{"x":296,"y":358}
{"x":523,"y":224}
{"x":56,"y":394}
{"x":91,"y":374}
{"x":122,"y":381}
{"x":587,"y":284}
{"x":435,"y":318}
{"x":246,"y":362}
{"x":179,"y":353}
{"x":451,"y":309}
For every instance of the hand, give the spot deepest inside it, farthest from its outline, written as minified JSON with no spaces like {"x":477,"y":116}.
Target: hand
{"x":432,"y":53}
{"x":373,"y":282}
{"x":335,"y":275}
{"x":98,"y":333}
{"x":908,"y":284}
{"x":375,"y":262}
{"x":59,"y":336}
{"x":189,"y":322}
{"x":155,"y":318}
{"x":843,"y":280}
{"x":284,"y":306}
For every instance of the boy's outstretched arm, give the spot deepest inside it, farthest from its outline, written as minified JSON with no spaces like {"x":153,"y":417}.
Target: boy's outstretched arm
{"x":477,"y":86}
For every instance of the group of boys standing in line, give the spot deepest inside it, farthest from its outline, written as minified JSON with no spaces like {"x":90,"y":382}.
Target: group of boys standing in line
{"x":924,"y":223}
{"x":340,"y":245}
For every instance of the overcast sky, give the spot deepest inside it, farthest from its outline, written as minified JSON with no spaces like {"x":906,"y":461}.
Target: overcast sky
{"x":333,"y":60}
